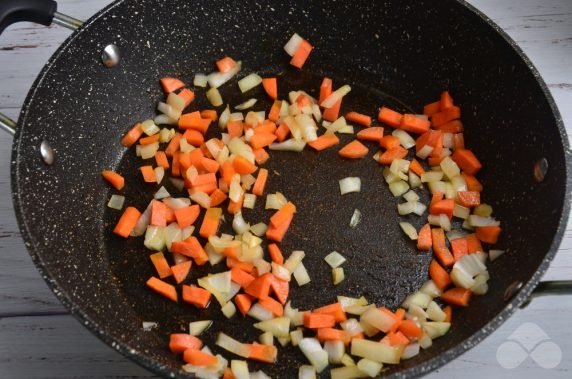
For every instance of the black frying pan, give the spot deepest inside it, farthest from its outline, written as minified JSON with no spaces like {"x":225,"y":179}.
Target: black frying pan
{"x":396,"y":53}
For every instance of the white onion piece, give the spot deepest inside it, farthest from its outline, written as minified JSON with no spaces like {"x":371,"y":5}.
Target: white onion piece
{"x":200,"y":80}
{"x":168,"y":110}
{"x":458,"y":183}
{"x":149,"y":127}
{"x":275,"y":201}
{"x":480,"y":287}
{"x":411,"y":207}
{"x":404,"y":138}
{"x":228,"y":310}
{"x":176,"y":102}
{"x":435,"y":313}
{"x":202,"y":199}
{"x":376,"y":351}
{"x":185,"y":147}
{"x":238,"y":224}
{"x":335,"y":350}
{"x":224,"y":118}
{"x":306,"y":371}
{"x":149,"y":325}
{"x":494,"y":254}
{"x":266,"y":338}
{"x":142,"y":222}
{"x":424,"y":152}
{"x":307,"y":126}
{"x":411,"y":196}
{"x":162,"y":193}
{"x":214,"y":97}
{"x":248,"y":82}
{"x":416,"y":313}
{"x":348,"y":361}
{"x":409,"y":230}
{"x":410,"y":351}
{"x":448,"y":140}
{"x":467,"y":226}
{"x":159,"y":174}
{"x":431,"y":289}
{"x":334,"y":259}
{"x":425,"y":341}
{"x":356,"y":218}
{"x":349,"y":185}
{"x":377,"y":319}
{"x":431,"y":176}
{"x":213,"y":147}
{"x":239,"y":147}
{"x":177,"y":202}
{"x":399,"y":167}
{"x":165,"y":135}
{"x":163,"y":119}
{"x":455,"y":234}
{"x":369,"y":367}
{"x":316,"y":113}
{"x":335,"y":126}
{"x":418,"y":298}
{"x":148,"y":151}
{"x":437,"y":186}
{"x":249,"y":201}
{"x":247,"y":104}
{"x":289,"y":145}
{"x":449,"y":167}
{"x":444,"y":222}
{"x":260,"y":313}
{"x":259,"y":229}
{"x":279,"y":326}
{"x":236,"y":191}
{"x":196,"y":328}
{"x":461,"y":212}
{"x":479,"y":221}
{"x":280,"y":272}
{"x":331,"y":100}
{"x":177,"y":183}
{"x":338,"y":275}
{"x":483,"y":210}
{"x":398,"y":188}
{"x":217,"y":79}
{"x":414,"y":180}
{"x":435,"y":329}
{"x":293,"y":44}
{"x":294,"y":260}
{"x":239,"y":369}
{"x":247,"y":181}
{"x":301,"y":275}
{"x":116,"y":202}
{"x":254,"y":118}
{"x":262,"y":267}
{"x":317,"y":356}
{"x":154,"y":238}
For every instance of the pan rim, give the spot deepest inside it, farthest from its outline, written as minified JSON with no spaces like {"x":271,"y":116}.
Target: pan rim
{"x":433,"y":363}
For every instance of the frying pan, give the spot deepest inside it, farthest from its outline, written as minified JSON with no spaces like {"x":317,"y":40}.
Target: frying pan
{"x":396,"y":53}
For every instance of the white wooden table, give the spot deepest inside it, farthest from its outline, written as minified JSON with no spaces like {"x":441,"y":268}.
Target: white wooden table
{"x":39,"y":339}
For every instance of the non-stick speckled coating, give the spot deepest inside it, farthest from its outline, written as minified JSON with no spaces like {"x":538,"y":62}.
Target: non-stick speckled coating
{"x":396,"y":53}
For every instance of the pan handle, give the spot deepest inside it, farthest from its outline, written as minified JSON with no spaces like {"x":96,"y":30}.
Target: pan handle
{"x":7,"y":124}
{"x":39,"y":11}
{"x":559,"y":287}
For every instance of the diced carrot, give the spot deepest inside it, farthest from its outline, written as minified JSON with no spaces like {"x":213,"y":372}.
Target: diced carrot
{"x":272,"y":305}
{"x":389,"y":117}
{"x":459,"y":248}
{"x":389,"y":142}
{"x":148,"y":174}
{"x":174,"y":145}
{"x":171,"y":84}
{"x":162,"y":288}
{"x":324,"y":141}
{"x":209,"y":113}
{"x":260,"y":183}
{"x":200,"y":358}
{"x":473,"y":244}
{"x":132,"y":135}
{"x":260,"y":140}
{"x":274,"y":113}
{"x":414,"y":124}
{"x":275,"y":254}
{"x":261,"y":156}
{"x":244,"y":266}
{"x":416,"y":167}
{"x":358,"y":118}
{"x":394,"y":316}
{"x":161,"y":159}
{"x":158,"y":214}
{"x":435,"y":198}
{"x":325,"y":89}
{"x":187,"y":95}
{"x":467,"y":161}
{"x":179,"y":342}
{"x":424,"y":240}
{"x":431,"y":109}
{"x":390,"y":155}
{"x":353,"y":150}
{"x":331,"y":334}
{"x":230,"y":252}
{"x":210,"y":165}
{"x":161,"y":265}
{"x":488,"y":234}
{"x":194,"y":137}
{"x":472,"y":183}
{"x":397,"y":338}
{"x":267,"y":126}
{"x":243,"y":166}
{"x":235,"y":206}
{"x":332,"y":113}
{"x":334,"y":309}
{"x":282,"y":132}
{"x":439,"y":275}
{"x":444,"y":116}
{"x":410,"y":329}
{"x":444,"y":206}
{"x":243,"y":303}
{"x":276,"y":233}
{"x":191,"y":247}
{"x":260,"y":287}
{"x":181,"y":271}
{"x":169,"y":215}
{"x":283,"y":214}
{"x":217,"y":197}
{"x":262,"y":353}
{"x":280,"y":288}
{"x":117,"y":181}
{"x":440,"y":248}
{"x":228,"y":374}
{"x":149,"y":140}
{"x":457,"y":296}
{"x":211,"y":222}
{"x":446,"y":101}
{"x":196,"y":296}
{"x":448,"y":313}
{"x":317,"y":320}
{"x":225,"y":64}
{"x":430,"y":138}
{"x":301,"y":54}
{"x":194,"y":121}
{"x":227,"y":171}
{"x":458,"y":141}
{"x":202,"y":179}
{"x":127,"y":222}
{"x":374,"y":133}
{"x":187,"y":216}
{"x":241,"y":277}
{"x":455,"y":126}
{"x":271,"y":87}
{"x":235,"y":128}
{"x":469,"y":198}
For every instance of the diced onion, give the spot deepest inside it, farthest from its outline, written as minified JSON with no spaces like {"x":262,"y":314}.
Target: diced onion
{"x":334,"y":259}
{"x":142,"y":222}
{"x":331,"y":100}
{"x":335,"y":126}
{"x":238,"y":224}
{"x":176,"y":102}
{"x":338,"y":275}
{"x":479,"y":221}
{"x":217,"y":79}
{"x":239,"y":369}
{"x":317,"y":356}
{"x":149,"y":127}
{"x":404,"y":138}
{"x":116,"y":202}
{"x":249,"y":201}
{"x":289,"y":145}
{"x":228,"y":310}
{"x":159,"y":173}
{"x":414,"y":180}
{"x":224,"y":118}
{"x":148,"y":151}
{"x":149,"y":325}
{"x":461,"y":212}
{"x":409,"y":230}
{"x":449,"y":167}
{"x":494,"y":254}
{"x":168,"y":110}
{"x":177,"y":203}
{"x":411,"y":207}
{"x":202,"y":199}
{"x":177,"y":183}
{"x":398,"y":188}
{"x":348,"y":129}
{"x":162,"y":193}
{"x":200,"y":80}
{"x":247,"y":104}
{"x":356,"y":218}
{"x":279,"y":326}
{"x":196,"y":328}
{"x":248,"y":82}
{"x":369,"y":367}
{"x":306,"y":371}
{"x":260,"y":313}
{"x":259,"y":229}
{"x":301,"y":275}
{"x":424,"y":152}
{"x":435,"y":313}
{"x":435,"y":329}
{"x":376,"y":351}
{"x":163,"y":119}
{"x":431,"y":176}
{"x":335,"y":350}
{"x":455,"y":234}
{"x":431,"y":289}
{"x":349,"y":185}
{"x":418,"y":298}
{"x":483,"y":210}
{"x":411,"y":196}
{"x":214,"y":97}
{"x":410,"y":351}
{"x":154,"y":238}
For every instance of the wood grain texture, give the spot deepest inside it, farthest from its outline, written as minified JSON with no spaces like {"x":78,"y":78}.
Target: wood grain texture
{"x":33,"y":345}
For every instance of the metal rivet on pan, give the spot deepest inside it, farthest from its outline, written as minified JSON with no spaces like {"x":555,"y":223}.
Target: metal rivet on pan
{"x":47,"y":152}
{"x":512,"y":290}
{"x":110,"y":56}
{"x":540,"y":169}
